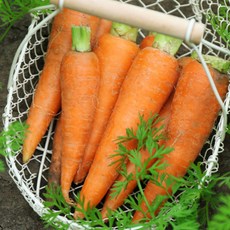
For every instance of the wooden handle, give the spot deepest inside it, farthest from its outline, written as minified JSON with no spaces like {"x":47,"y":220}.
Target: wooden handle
{"x":137,"y":16}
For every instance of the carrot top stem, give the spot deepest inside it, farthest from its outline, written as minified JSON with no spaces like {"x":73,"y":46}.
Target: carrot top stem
{"x":223,"y":66}
{"x":81,"y":38}
{"x":167,"y":43}
{"x":124,"y":31}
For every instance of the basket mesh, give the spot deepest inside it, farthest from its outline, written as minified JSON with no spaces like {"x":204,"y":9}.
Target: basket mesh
{"x":31,"y":178}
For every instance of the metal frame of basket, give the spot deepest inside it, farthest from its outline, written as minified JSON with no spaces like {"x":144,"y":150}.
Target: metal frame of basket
{"x":31,"y":178}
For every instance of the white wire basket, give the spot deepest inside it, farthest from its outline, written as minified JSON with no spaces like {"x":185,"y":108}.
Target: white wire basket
{"x":31,"y":178}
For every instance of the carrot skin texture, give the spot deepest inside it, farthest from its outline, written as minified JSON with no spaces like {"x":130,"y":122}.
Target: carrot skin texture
{"x":183,"y":61}
{"x":54,"y":175}
{"x":147,"y":41}
{"x":145,"y":89}
{"x":112,"y":203}
{"x":104,"y":27}
{"x":115,"y":57}
{"x":194,"y":111}
{"x":47,"y":99}
{"x":80,"y":76}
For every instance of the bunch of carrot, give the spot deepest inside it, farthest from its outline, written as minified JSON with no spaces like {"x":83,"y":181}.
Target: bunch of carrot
{"x":101,"y":87}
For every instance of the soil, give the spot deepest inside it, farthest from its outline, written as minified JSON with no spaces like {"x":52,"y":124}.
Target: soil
{"x":15,"y":212}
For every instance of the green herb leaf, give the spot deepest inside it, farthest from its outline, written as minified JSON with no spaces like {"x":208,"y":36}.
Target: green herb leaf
{"x":55,"y":205}
{"x":12,"y":11}
{"x":11,"y":140}
{"x":220,"y":21}
{"x":181,"y":210}
{"x":221,"y":220}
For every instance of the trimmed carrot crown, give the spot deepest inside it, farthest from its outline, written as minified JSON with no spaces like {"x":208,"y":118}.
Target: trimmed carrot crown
{"x":217,"y":63}
{"x":81,"y":38}
{"x":167,"y":43}
{"x":124,"y":31}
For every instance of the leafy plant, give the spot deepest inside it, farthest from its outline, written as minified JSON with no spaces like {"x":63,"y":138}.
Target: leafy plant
{"x":12,"y":11}
{"x":182,"y":209}
{"x":220,"y":21}
{"x":221,"y":220}
{"x":11,"y":138}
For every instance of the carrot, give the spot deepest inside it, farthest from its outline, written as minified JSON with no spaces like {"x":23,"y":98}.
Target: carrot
{"x":144,"y":91}
{"x":47,"y":99}
{"x":103,"y":28}
{"x":115,"y":53}
{"x":194,"y":111}
{"x":111,"y":202}
{"x":80,"y":76}
{"x":148,"y":40}
{"x":183,"y":61}
{"x":55,"y":165}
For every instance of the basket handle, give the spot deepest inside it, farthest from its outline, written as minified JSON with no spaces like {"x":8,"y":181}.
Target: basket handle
{"x":136,"y":16}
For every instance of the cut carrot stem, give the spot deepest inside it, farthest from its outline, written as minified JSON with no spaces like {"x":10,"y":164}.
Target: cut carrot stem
{"x":193,"y":113}
{"x":167,"y":44}
{"x":217,"y":63}
{"x":115,"y":56}
{"x":81,"y":39}
{"x":124,"y":31}
{"x":47,"y":97}
{"x":80,"y":76}
{"x":148,"y":84}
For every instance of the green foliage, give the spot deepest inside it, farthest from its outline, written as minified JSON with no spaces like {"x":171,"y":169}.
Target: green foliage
{"x":220,"y":22}
{"x":11,"y":138}
{"x":221,"y":220}
{"x":12,"y":11}
{"x":186,"y":208}
{"x":57,"y":205}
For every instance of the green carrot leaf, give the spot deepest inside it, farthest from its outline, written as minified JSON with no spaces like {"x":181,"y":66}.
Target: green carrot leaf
{"x":220,"y":21}
{"x":12,"y":11}
{"x":221,"y":220}
{"x":11,"y":140}
{"x":186,"y":208}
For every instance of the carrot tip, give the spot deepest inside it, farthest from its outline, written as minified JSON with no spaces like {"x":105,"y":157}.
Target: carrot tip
{"x":77,"y":182}
{"x":26,"y":158}
{"x":70,"y":201}
{"x":104,"y":216}
{"x":78,"y":215}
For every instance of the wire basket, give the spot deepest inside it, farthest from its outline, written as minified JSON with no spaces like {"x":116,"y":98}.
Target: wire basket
{"x":31,"y":178}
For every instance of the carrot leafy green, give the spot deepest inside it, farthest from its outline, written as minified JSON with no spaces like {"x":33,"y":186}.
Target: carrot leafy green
{"x":221,"y":220}
{"x":11,"y":138}
{"x":220,"y":21}
{"x":187,"y":208}
{"x":12,"y":11}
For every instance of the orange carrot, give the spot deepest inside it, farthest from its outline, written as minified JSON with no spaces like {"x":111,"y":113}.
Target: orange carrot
{"x":111,"y":202}
{"x":115,"y":53}
{"x":55,"y":165}
{"x":103,"y":28}
{"x":183,"y":61}
{"x":145,"y":89}
{"x":194,"y":111}
{"x":47,"y":99}
{"x":80,"y":76}
{"x":148,"y":40}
